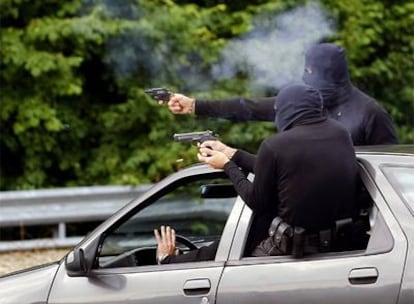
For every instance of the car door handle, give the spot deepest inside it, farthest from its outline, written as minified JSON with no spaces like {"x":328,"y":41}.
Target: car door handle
{"x":363,"y":275}
{"x":197,"y":287}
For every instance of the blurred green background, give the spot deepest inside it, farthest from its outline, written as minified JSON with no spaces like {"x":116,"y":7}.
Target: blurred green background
{"x":72,"y":107}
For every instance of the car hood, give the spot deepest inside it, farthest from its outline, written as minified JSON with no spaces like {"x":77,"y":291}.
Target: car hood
{"x":28,"y":286}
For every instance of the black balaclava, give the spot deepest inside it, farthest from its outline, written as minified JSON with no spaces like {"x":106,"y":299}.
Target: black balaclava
{"x":296,"y":103}
{"x":326,"y":69}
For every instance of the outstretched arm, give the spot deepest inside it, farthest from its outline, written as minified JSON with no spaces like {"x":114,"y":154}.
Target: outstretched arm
{"x":236,"y":109}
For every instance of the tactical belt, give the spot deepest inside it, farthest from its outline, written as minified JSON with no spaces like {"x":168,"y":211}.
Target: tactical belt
{"x":285,"y":239}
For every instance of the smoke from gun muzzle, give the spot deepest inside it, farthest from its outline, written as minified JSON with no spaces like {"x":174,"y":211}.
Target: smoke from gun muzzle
{"x":271,"y":54}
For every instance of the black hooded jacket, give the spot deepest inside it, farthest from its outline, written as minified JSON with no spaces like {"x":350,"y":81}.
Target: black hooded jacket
{"x":305,"y":174}
{"x":326,"y":69}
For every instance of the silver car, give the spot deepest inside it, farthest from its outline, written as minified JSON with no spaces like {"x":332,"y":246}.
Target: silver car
{"x":116,"y":262}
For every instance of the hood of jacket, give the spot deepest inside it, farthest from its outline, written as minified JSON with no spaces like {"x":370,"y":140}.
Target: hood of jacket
{"x":326,"y":68}
{"x":295,"y":104}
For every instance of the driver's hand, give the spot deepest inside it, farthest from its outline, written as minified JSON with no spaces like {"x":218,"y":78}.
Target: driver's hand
{"x":166,"y":242}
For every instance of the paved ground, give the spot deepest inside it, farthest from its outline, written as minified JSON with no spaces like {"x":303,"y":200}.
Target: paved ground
{"x":16,"y":260}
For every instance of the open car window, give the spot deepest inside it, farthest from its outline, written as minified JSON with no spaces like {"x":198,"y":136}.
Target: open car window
{"x":369,"y":233}
{"x":197,"y":210}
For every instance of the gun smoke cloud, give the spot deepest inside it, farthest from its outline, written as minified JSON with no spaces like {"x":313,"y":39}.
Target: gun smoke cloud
{"x":273,"y":52}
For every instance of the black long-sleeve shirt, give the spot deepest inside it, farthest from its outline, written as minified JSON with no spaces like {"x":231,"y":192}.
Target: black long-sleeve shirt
{"x":299,"y":176}
{"x":367,"y":122}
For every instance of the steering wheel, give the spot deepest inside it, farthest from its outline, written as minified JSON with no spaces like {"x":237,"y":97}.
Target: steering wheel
{"x":185,"y":241}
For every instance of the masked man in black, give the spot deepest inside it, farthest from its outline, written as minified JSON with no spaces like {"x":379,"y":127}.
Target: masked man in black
{"x":306,"y":174}
{"x":326,"y":69}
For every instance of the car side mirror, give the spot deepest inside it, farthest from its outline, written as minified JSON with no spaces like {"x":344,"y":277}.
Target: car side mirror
{"x":75,"y":263}
{"x":217,"y":191}
{"x":81,"y":259}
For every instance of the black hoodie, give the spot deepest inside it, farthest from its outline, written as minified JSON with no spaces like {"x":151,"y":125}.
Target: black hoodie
{"x":326,"y":69}
{"x":306,"y":173}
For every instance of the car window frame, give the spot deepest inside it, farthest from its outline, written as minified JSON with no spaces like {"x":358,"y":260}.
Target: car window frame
{"x":223,"y":247}
{"x":374,"y":247}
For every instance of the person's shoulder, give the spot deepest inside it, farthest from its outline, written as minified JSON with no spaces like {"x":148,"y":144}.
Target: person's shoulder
{"x":277,"y":143}
{"x":367,"y":101}
{"x":336,"y":126}
{"x":334,"y":123}
{"x":273,"y":138}
{"x":282,"y":137}
{"x":368,"y":105}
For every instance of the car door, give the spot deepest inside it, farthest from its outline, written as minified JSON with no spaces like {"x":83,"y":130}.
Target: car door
{"x":115,"y":280}
{"x":372,"y":275}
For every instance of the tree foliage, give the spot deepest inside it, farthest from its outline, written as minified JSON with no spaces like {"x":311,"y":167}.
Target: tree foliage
{"x":73,"y":110}
{"x":379,"y":41}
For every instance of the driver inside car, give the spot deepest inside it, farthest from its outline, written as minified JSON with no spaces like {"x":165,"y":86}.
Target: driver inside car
{"x":168,"y":253}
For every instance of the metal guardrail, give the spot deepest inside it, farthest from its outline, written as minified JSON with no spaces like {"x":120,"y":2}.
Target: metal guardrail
{"x":59,"y":207}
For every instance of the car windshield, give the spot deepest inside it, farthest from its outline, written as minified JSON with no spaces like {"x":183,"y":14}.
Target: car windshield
{"x":402,"y":179}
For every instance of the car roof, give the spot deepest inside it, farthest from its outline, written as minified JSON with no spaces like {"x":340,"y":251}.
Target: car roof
{"x":386,"y":149}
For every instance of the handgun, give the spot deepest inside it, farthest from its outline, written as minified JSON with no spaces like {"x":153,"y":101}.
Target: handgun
{"x":195,"y":137}
{"x":160,"y":94}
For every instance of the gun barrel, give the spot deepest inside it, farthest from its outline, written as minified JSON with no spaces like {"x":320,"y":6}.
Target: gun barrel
{"x":159,"y":93}
{"x":184,"y":137}
{"x":156,"y":91}
{"x":195,"y":136}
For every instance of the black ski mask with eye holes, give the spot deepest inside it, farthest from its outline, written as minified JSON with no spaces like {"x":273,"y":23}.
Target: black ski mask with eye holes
{"x":326,"y":69}
{"x":296,"y":104}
